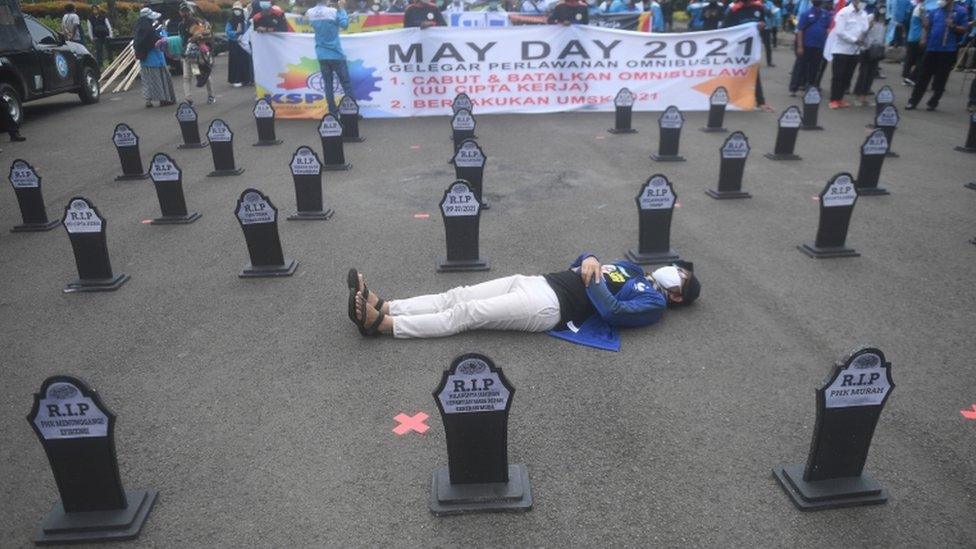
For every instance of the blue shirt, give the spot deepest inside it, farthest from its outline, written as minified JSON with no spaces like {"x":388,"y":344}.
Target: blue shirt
{"x":939,"y":37}
{"x":155,"y":58}
{"x":327,"y":21}
{"x":815,"y":23}
{"x":915,"y":26}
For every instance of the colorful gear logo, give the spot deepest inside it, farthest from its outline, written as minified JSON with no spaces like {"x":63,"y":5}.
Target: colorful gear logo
{"x":306,"y":74}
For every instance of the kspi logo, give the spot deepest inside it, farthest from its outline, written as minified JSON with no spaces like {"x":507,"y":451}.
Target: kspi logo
{"x":62,"y":65}
{"x":307,"y":75}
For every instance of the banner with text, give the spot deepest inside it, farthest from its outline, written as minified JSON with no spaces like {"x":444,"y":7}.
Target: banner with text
{"x":524,"y":69}
{"x":474,"y":19}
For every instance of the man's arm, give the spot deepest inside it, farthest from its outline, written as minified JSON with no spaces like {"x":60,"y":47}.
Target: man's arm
{"x":643,"y":306}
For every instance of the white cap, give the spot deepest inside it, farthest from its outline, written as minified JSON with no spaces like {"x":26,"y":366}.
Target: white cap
{"x":147,"y":12}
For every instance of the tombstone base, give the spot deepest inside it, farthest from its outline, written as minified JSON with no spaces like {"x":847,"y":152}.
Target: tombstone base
{"x":774,"y":156}
{"x":336,"y":167}
{"x":709,"y":129}
{"x":971,"y":185}
{"x":225,"y":173}
{"x":97,"y":284}
{"x":267,"y":143}
{"x":966,"y":149}
{"x":200,"y":145}
{"x":456,"y":499}
{"x":93,"y":526}
{"x":652,"y":259}
{"x":722,"y":195}
{"x":35,"y":227}
{"x":829,"y":494}
{"x":892,"y":155}
{"x":871,"y":191}
{"x":266,"y":271}
{"x":311,"y":216}
{"x":826,"y":253}
{"x":627,"y":130}
{"x":176,"y":219}
{"x":802,"y":127}
{"x":132,"y":176}
{"x":353,"y":139}
{"x":445,"y":265}
{"x":667,"y":158}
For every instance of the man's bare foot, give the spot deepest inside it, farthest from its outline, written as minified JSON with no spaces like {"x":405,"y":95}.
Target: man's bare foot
{"x":386,"y":325}
{"x":373,"y":298}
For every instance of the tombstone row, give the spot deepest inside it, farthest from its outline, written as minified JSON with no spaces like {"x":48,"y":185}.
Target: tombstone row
{"x":474,"y":398}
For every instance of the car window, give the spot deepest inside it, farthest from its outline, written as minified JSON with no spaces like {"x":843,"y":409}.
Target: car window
{"x":40,"y":33}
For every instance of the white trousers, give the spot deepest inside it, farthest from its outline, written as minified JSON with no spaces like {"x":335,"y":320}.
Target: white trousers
{"x":188,"y":75}
{"x":525,"y":303}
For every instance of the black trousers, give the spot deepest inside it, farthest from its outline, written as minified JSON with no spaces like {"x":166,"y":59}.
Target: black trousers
{"x":972,"y":93}
{"x":842,"y":74}
{"x":935,"y":68}
{"x":865,"y":75}
{"x":760,"y":98}
{"x":909,"y":67}
{"x":765,"y":34}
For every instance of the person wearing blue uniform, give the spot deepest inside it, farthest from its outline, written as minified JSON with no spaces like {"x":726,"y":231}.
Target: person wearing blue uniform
{"x":913,"y":51}
{"x":745,"y":12}
{"x":657,"y":17}
{"x":942,"y":30}
{"x":773,"y":21}
{"x":584,"y":304}
{"x":812,"y":29}
{"x":694,"y":9}
{"x":327,"y":20}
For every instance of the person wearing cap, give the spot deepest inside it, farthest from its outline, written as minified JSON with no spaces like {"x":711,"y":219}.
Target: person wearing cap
{"x":195,"y":33}
{"x":421,"y":14}
{"x":327,"y":20}
{"x":583,"y":304}
{"x":570,"y":12}
{"x":148,"y":43}
{"x":239,"y":69}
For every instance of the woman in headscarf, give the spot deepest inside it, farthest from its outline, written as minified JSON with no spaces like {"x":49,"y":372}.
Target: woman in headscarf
{"x":239,"y":69}
{"x":154,"y":73}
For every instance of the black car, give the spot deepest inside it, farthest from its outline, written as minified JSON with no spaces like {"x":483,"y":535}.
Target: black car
{"x":37,"y":62}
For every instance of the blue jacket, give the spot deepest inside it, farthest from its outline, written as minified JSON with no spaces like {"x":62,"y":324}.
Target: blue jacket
{"x":939,"y":39}
{"x":636,"y":303}
{"x":657,"y":17}
{"x":327,"y":21}
{"x":915,"y":26}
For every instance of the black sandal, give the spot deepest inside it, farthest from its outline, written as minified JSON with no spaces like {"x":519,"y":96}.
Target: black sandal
{"x":373,"y":329}
{"x":352,"y":312}
{"x":352,"y":282}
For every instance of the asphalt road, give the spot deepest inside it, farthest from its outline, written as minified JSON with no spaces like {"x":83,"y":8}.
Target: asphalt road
{"x":264,"y":419}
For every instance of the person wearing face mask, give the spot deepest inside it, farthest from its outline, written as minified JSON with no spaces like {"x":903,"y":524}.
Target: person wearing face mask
{"x":746,"y":12}
{"x":267,"y":17}
{"x":844,"y":44}
{"x":327,"y":21}
{"x":812,"y":29}
{"x":576,"y":304}
{"x":942,"y":30}
{"x":239,"y":70}
{"x":197,"y":61}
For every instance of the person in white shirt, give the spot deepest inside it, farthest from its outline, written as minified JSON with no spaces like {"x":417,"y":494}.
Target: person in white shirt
{"x":535,"y":6}
{"x":844,"y":44}
{"x":71,"y":25}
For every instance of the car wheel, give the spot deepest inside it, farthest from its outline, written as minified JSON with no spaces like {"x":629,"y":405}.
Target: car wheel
{"x":12,"y":98}
{"x":90,"y":90}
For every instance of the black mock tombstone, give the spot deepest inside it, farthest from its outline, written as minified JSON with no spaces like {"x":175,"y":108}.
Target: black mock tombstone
{"x":884,"y":97}
{"x":462,"y":127}
{"x":970,"y":146}
{"x":167,"y":177}
{"x":469,"y":165}
{"x":127,"y":145}
{"x":848,"y":407}
{"x":330,"y":130}
{"x":474,"y":399}
{"x":669,"y":124}
{"x":259,"y":221}
{"x":462,"y":217}
{"x":873,"y":152}
{"x":811,"y":109}
{"x":264,"y":117}
{"x":887,"y":120}
{"x":306,"y":170}
{"x":27,"y":186}
{"x":655,"y":206}
{"x":734,"y":153}
{"x":186,"y":115}
{"x":349,"y":117}
{"x":462,"y":101}
{"x":78,"y":434}
{"x":222,"y":149}
{"x":836,"y":205}
{"x":788,"y":128}
{"x":86,"y":230}
{"x":623,"y":105}
{"x":717,"y":103}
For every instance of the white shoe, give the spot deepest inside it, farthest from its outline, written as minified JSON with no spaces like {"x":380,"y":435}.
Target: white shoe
{"x":237,"y":84}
